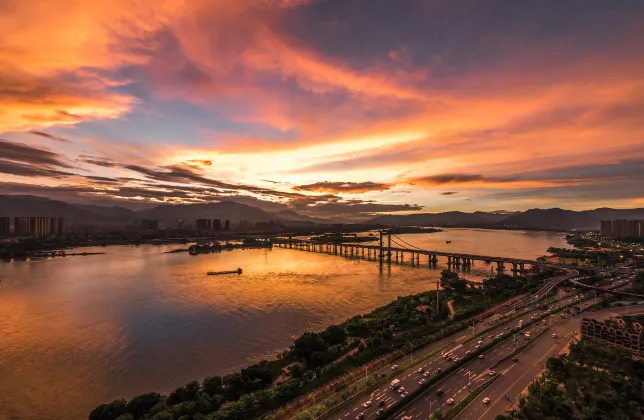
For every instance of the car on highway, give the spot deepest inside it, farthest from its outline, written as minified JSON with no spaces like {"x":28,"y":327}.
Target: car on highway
{"x":367,"y":404}
{"x":491,"y":336}
{"x":481,"y":356}
{"x":426,"y":374}
{"x":381,"y":403}
{"x":420,"y":370}
{"x":438,"y":371}
{"x":468,"y":352}
{"x":360,"y":416}
{"x":486,"y":400}
{"x":449,"y":358}
{"x":394,"y":367}
{"x":455,"y":359}
{"x":406,"y":418}
{"x":404,"y":394}
{"x":379,"y":412}
{"x":554,"y":335}
{"x":480,"y":342}
{"x":478,"y":346}
{"x":491,"y":373}
{"x":401,"y":390}
{"x":515,"y":359}
{"x":422,"y":381}
{"x":450,"y":401}
{"x":439,"y":392}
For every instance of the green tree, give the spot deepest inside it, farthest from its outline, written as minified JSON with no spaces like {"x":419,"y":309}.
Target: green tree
{"x":141,"y":404}
{"x":212,"y":385}
{"x":108,"y":411}
{"x":334,"y":334}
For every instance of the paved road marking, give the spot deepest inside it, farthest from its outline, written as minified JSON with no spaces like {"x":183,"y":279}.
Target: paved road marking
{"x":525,"y":372}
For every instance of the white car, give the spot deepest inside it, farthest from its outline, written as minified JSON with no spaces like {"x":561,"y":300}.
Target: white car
{"x":481,"y":356}
{"x":554,"y":335}
{"x":426,"y":374}
{"x":404,"y":394}
{"x":467,"y":352}
{"x":422,"y":381}
{"x":366,"y":404}
{"x":450,"y":401}
{"x":477,"y":347}
{"x":420,"y":370}
{"x":394,"y":367}
{"x":491,"y":373}
{"x":486,"y":400}
{"x":401,"y":390}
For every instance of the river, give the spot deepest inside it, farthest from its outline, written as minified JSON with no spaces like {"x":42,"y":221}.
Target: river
{"x":79,"y":331}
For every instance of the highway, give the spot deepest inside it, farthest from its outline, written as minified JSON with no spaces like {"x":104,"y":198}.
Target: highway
{"x":532,"y":361}
{"x":477,"y":371}
{"x":462,"y":343}
{"x":474,"y":373}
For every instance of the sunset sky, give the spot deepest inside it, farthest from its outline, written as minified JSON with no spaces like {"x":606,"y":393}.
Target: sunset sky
{"x":325,"y":107}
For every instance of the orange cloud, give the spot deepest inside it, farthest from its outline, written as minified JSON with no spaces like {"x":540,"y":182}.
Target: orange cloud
{"x":343,"y":187}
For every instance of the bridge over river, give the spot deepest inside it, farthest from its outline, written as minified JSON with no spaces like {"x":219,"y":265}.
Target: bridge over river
{"x":385,"y":253}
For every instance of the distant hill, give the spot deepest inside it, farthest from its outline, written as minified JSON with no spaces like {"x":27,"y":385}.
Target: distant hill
{"x":110,"y":212}
{"x":560,"y":219}
{"x":18,"y":205}
{"x":547,"y":219}
{"x":451,"y":218}
{"x":27,"y":205}
{"x":224,"y":210}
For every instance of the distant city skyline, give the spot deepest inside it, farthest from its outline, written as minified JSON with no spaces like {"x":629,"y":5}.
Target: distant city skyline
{"x":330,"y":108}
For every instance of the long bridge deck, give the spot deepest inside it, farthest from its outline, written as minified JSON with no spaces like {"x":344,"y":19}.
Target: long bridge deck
{"x":389,"y":255}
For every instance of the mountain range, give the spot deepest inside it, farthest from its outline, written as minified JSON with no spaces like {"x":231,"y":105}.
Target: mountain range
{"x":170,"y":214}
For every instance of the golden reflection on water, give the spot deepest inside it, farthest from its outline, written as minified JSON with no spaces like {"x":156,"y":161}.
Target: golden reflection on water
{"x":79,"y":331}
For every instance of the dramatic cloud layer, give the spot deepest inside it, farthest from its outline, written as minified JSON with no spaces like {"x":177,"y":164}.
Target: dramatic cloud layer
{"x":327,"y":107}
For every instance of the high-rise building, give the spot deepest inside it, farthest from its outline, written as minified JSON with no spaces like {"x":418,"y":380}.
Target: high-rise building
{"x":216,"y":224}
{"x":62,"y":226}
{"x":620,"y":228}
{"x":201,"y":224}
{"x":633,"y":229}
{"x":606,"y":228}
{"x":5,"y":226}
{"x":39,"y":227}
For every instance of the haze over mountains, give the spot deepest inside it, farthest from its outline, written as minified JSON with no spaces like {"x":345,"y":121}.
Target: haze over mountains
{"x":170,"y":214}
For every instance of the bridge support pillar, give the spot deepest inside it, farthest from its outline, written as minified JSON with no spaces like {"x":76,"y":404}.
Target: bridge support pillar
{"x":499,"y":266}
{"x":449,"y":260}
{"x":514,"y":269}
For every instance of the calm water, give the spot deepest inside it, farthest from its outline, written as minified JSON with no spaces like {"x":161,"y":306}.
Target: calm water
{"x":79,"y":331}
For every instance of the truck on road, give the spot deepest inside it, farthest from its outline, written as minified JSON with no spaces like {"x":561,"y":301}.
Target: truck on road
{"x":395,"y":383}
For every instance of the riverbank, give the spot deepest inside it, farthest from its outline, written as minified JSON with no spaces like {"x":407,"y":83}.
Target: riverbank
{"x":139,"y":319}
{"x":406,"y":324}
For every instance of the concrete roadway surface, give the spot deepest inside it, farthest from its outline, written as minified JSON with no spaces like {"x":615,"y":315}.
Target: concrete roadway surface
{"x":409,"y":379}
{"x":531,"y":362}
{"x":474,"y":373}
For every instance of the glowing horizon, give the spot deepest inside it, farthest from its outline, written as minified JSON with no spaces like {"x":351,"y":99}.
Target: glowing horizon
{"x":326,"y":107}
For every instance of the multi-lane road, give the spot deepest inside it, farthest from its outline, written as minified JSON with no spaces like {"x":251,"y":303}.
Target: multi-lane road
{"x":456,"y":387}
{"x":514,"y":375}
{"x":460,"y":345}
{"x":504,"y":391}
